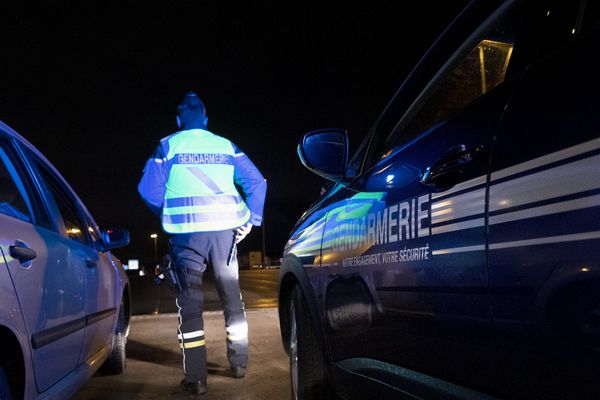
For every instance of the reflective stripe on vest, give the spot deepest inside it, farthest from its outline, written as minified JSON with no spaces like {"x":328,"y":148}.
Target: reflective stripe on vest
{"x":200,"y":192}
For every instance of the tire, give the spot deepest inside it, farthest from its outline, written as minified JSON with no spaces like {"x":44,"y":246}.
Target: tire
{"x":4,"y":388}
{"x":116,"y":362}
{"x":308,"y":373}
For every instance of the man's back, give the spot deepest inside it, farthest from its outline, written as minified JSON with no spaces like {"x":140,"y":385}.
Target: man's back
{"x":198,"y":171}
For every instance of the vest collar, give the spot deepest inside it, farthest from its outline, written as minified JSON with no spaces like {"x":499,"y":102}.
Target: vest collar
{"x":197,"y":131}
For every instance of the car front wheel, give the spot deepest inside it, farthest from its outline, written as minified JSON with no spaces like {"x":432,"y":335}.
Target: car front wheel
{"x":307,"y":364}
{"x":116,"y":362}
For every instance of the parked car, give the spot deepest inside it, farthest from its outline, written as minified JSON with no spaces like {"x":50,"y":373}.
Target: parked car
{"x":64,"y":298}
{"x":457,"y":256}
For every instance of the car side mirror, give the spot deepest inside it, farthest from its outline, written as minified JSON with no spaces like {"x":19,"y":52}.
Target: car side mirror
{"x":113,"y":238}
{"x":325,"y":152}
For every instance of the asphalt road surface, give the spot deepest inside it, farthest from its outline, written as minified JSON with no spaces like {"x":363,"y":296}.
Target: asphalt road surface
{"x":154,"y":361}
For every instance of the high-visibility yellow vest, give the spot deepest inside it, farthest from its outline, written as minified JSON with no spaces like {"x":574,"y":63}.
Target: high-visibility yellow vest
{"x":200,"y":194}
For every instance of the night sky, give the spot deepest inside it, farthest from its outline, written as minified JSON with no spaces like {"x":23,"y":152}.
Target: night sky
{"x":95,"y":88}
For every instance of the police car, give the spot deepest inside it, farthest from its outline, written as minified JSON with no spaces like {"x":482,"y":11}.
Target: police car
{"x":64,"y":298}
{"x":457,"y":254}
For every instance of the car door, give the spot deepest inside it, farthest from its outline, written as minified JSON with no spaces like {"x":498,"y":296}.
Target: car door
{"x":50,"y":288}
{"x":544,"y":209}
{"x":414,"y":238}
{"x":103,"y":295}
{"x":82,"y":239}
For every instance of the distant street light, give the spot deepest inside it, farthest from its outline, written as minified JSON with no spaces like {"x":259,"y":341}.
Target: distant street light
{"x":155,"y":236}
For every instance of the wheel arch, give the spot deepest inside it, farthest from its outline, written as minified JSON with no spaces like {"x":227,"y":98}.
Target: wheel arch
{"x":12,"y":361}
{"x":292,"y":274}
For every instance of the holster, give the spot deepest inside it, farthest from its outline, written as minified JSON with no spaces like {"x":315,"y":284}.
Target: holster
{"x":169,"y":274}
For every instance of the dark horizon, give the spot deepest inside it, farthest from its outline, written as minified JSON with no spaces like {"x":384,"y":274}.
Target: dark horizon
{"x":94,"y":90}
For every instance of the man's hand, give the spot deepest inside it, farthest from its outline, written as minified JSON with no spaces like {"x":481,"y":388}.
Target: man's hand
{"x":242,"y":231}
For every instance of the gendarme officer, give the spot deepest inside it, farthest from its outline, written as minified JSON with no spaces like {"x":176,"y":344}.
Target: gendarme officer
{"x":190,"y":181}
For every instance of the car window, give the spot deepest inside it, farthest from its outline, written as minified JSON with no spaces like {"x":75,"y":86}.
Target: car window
{"x":74,"y":227}
{"x":14,"y":200}
{"x":461,"y":81}
{"x":479,"y":72}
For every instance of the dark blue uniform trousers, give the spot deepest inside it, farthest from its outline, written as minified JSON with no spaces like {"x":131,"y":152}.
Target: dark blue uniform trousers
{"x":190,"y":255}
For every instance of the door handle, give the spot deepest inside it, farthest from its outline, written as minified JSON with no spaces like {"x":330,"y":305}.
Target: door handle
{"x":22,"y":252}
{"x":444,"y":172}
{"x":91,"y":263}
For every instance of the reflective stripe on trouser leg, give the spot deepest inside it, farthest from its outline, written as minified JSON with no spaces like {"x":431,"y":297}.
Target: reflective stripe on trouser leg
{"x":237,"y":340}
{"x":191,"y":330}
{"x":228,"y":287}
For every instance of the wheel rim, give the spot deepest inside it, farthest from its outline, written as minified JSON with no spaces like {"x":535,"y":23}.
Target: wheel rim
{"x":294,"y":352}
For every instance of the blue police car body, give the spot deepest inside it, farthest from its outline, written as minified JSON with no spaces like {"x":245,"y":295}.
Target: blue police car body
{"x":457,"y":254}
{"x":64,"y":298}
